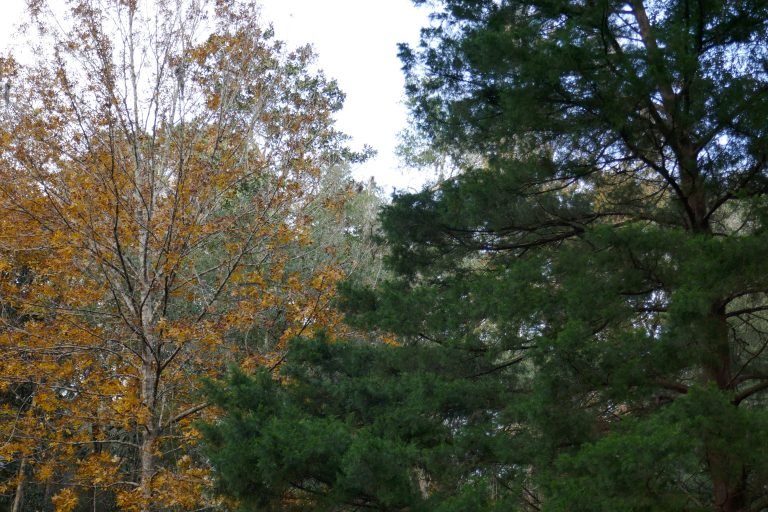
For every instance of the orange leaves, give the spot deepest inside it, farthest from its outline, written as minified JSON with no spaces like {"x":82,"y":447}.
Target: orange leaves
{"x":129,"y":500}
{"x":45,"y":472}
{"x":213,"y":101}
{"x":149,"y":238}
{"x":182,"y":487}
{"x":65,"y":500}
{"x":98,"y":469}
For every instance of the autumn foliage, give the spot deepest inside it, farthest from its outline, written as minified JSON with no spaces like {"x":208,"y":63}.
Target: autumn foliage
{"x":162,"y":171}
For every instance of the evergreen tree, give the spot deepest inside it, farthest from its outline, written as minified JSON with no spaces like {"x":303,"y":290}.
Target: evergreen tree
{"x":591,"y":287}
{"x":353,"y":426}
{"x":616,"y":225}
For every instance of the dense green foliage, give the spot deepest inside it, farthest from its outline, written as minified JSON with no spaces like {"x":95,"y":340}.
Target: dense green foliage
{"x":362,"y":426}
{"x":582,"y":308}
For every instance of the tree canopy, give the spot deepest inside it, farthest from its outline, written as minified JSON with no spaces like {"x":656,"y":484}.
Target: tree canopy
{"x":165,"y":168}
{"x":589,"y":289}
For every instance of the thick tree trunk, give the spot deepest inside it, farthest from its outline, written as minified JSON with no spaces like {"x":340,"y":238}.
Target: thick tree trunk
{"x":728,"y":474}
{"x":729,"y":490}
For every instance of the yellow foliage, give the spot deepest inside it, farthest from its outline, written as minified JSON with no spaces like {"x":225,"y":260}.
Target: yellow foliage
{"x":129,"y":500}
{"x":65,"y":500}
{"x":139,"y":258}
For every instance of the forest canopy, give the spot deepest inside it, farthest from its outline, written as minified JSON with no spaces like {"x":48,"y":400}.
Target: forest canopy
{"x":573,"y":317}
{"x":581,"y":308}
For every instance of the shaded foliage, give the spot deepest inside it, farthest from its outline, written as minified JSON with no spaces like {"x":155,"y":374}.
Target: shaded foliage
{"x":600,"y":252}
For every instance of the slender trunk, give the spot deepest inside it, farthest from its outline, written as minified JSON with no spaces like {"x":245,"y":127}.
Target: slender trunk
{"x":149,"y":353}
{"x":18,"y":500}
{"x":47,"y":494}
{"x":149,"y":436}
{"x":147,"y":469}
{"x":144,"y":196}
{"x":692,"y":186}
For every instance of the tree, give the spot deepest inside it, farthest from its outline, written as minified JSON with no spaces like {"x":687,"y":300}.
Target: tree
{"x":162,"y":169}
{"x":617,"y":221}
{"x":358,"y":425}
{"x":599,"y":257}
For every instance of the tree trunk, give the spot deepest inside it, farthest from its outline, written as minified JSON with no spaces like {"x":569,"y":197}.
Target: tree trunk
{"x":150,"y":434}
{"x":728,"y":474}
{"x":729,"y":490}
{"x":18,"y":500}
{"x":147,"y":469}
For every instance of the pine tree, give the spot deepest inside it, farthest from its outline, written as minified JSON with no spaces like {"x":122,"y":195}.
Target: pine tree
{"x":357,"y":425}
{"x":614,"y":223}
{"x":587,"y":294}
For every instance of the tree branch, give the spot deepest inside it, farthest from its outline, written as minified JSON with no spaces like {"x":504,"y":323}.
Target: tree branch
{"x":184,"y":414}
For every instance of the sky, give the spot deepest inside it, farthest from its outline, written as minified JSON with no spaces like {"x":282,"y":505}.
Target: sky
{"x":356,"y":42}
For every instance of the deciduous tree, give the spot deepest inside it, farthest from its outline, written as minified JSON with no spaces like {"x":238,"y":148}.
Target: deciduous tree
{"x":162,"y":166}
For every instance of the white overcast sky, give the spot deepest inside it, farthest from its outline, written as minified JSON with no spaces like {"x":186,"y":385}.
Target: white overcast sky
{"x":356,"y":42}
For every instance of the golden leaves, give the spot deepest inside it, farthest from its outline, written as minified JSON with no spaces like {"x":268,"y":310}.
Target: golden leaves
{"x":182,"y":487}
{"x":98,"y":469}
{"x":137,"y":257}
{"x":65,"y":500}
{"x":129,"y":500}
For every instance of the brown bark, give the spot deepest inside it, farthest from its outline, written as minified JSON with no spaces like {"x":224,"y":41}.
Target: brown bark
{"x":728,"y":489}
{"x":728,"y":474}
